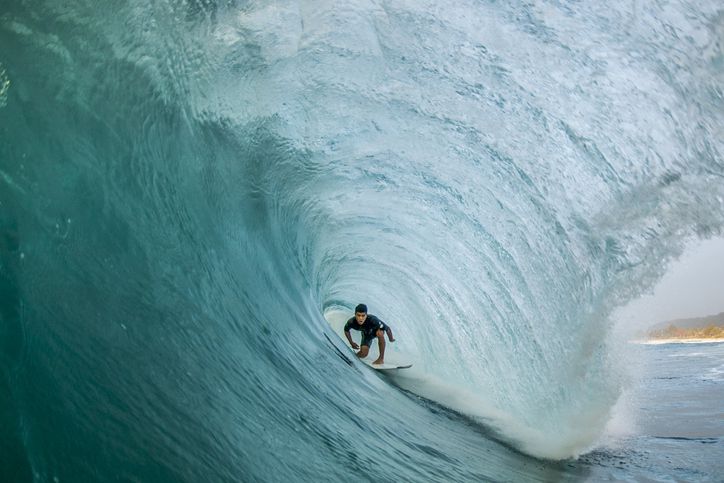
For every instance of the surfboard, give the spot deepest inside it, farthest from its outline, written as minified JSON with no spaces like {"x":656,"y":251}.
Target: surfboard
{"x":388,"y":367}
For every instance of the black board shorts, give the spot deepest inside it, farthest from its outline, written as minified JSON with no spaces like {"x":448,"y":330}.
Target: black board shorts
{"x":368,"y":337}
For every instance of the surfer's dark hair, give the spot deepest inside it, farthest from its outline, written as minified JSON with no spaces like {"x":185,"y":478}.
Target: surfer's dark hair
{"x":361,"y":308}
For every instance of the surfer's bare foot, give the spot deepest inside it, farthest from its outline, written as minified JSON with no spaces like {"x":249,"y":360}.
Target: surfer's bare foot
{"x":378,"y":361}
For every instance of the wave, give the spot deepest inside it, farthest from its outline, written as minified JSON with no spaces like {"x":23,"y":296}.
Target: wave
{"x":189,"y":187}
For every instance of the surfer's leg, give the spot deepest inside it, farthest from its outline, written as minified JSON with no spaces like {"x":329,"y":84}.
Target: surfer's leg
{"x":367,"y":339}
{"x":381,"y":344}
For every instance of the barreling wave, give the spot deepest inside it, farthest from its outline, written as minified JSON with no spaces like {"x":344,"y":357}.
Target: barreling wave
{"x":188,"y":187}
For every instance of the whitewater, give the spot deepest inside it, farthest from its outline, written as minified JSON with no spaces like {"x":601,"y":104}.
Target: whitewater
{"x":191,"y":192}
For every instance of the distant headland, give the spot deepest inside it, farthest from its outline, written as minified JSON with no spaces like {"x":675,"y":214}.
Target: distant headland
{"x":699,"y":329}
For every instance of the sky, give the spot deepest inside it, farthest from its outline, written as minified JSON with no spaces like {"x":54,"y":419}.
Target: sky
{"x":692,"y":287}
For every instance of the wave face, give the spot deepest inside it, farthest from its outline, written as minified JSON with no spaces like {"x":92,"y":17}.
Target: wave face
{"x":187,"y":187}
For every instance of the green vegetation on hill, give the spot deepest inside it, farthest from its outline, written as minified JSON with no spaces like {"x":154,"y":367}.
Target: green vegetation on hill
{"x":694,"y":322}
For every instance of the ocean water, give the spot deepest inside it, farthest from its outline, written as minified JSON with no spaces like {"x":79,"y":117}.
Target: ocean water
{"x":190,"y":190}
{"x":669,"y":424}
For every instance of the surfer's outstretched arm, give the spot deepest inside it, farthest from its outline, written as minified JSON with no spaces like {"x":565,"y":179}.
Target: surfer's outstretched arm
{"x":352,"y":343}
{"x":389,"y":334}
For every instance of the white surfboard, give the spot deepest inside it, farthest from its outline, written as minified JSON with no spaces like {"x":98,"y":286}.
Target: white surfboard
{"x":388,"y":367}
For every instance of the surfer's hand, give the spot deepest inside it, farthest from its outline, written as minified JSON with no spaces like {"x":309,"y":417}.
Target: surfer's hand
{"x":392,"y":339}
{"x":355,"y":346}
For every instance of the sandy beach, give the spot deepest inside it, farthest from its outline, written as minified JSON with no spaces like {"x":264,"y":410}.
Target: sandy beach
{"x":677,"y":341}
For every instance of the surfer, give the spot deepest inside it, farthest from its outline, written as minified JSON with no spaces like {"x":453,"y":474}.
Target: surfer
{"x":371,"y":327}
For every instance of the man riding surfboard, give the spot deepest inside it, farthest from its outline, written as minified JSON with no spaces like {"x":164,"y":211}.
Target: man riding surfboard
{"x":371,"y":327}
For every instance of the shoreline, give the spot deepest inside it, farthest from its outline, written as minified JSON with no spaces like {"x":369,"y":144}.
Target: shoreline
{"x":697,"y":340}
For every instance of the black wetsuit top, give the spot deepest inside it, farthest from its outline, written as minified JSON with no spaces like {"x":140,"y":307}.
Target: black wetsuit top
{"x":369,"y":329}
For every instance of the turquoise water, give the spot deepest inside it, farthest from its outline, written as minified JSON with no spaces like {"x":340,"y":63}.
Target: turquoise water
{"x":187,"y":188}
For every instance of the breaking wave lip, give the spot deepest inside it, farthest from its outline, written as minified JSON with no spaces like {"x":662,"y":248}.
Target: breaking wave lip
{"x":520,"y":243}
